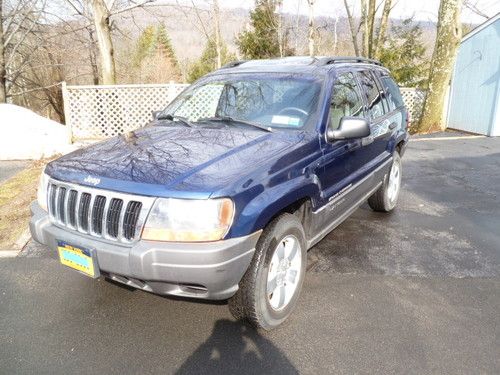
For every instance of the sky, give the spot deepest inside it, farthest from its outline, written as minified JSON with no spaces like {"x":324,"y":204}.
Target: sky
{"x":424,"y":10}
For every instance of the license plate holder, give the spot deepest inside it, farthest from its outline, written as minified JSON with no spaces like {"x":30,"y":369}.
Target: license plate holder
{"x":79,"y":258}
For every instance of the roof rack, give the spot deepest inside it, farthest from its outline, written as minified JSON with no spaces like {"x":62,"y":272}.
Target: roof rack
{"x":345,"y":59}
{"x":233,"y":64}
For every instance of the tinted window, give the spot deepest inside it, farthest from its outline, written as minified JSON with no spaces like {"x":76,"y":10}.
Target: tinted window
{"x":346,"y":100}
{"x":392,"y":93}
{"x":372,"y":94}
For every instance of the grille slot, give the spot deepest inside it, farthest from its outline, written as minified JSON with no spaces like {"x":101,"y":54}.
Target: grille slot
{"x":60,"y":205}
{"x":96,"y":212}
{"x":83,"y":211}
{"x":52,"y":199}
{"x":130,"y":219}
{"x":73,"y":195}
{"x":113,"y":216}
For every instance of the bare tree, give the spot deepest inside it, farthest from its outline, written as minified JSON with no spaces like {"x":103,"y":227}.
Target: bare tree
{"x":353,"y":28}
{"x":382,"y":30}
{"x":3,"y":93}
{"x":369,"y":24}
{"x":218,"y":39}
{"x":448,"y":38}
{"x":311,"y":31}
{"x":372,"y":37}
{"x":472,"y":6}
{"x":101,"y":13}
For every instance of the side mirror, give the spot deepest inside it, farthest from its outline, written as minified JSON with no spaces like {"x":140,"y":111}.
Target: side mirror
{"x":155,"y":114}
{"x":349,"y":128}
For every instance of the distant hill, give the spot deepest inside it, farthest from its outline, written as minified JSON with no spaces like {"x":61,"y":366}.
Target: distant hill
{"x":188,"y":37}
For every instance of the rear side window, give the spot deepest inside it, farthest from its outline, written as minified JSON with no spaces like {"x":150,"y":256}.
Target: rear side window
{"x":346,"y":99}
{"x":372,"y":94}
{"x":392,"y":93}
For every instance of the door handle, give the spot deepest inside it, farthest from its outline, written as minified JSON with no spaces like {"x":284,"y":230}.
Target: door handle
{"x":392,"y":125}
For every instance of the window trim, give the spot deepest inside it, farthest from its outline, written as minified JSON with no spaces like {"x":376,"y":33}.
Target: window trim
{"x":388,"y":76}
{"x":338,"y":73}
{"x":368,"y":112}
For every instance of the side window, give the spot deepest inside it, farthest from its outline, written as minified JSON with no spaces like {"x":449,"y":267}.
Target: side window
{"x":372,"y":94}
{"x":346,"y":99}
{"x":392,"y":93}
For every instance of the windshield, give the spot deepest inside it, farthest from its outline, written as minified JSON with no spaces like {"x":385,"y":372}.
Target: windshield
{"x":270,"y":100}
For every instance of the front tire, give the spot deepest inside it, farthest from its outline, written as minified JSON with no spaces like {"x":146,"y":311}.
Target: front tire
{"x":386,"y":197}
{"x":270,"y":288}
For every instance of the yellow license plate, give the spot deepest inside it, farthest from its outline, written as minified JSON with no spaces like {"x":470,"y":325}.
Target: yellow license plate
{"x":77,"y":258}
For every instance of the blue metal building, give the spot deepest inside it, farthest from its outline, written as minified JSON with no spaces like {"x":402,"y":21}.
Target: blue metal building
{"x":474,"y":103}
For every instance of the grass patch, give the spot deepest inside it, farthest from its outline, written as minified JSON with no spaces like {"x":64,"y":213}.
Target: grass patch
{"x":16,"y":195}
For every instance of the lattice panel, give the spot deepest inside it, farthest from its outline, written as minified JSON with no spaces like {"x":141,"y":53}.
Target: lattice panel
{"x":203,"y":104}
{"x":95,"y":112}
{"x":414,"y":101}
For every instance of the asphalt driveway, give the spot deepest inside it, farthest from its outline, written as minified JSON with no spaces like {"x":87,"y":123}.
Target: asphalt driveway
{"x":415,"y":291}
{"x":9,"y":168}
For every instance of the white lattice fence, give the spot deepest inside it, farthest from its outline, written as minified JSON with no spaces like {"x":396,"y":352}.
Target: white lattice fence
{"x":414,"y":101}
{"x":95,"y":112}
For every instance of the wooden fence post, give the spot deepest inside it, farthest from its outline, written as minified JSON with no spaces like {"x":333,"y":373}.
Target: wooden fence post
{"x":67,"y":117}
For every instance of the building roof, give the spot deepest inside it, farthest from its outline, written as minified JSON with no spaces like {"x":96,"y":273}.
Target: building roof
{"x":481,"y":27}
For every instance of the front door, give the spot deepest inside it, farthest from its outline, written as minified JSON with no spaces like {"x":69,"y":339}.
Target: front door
{"x":343,"y":158}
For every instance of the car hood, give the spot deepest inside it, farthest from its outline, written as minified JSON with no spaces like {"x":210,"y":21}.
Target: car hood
{"x":170,"y":160}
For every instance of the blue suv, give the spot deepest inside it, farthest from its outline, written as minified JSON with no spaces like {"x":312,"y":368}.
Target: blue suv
{"x":223,"y":193}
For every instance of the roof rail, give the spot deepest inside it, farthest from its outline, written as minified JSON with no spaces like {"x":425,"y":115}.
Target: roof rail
{"x":233,"y":64}
{"x":345,"y":59}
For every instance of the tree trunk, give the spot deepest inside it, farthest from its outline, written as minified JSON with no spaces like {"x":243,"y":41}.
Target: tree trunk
{"x":384,"y":20}
{"x":364,"y":23}
{"x":103,"y":33}
{"x":370,"y":24}
{"x":3,"y":91}
{"x":448,"y":38}
{"x":218,"y":46}
{"x":92,"y":57}
{"x":352,"y":27}
{"x":310,"y":36}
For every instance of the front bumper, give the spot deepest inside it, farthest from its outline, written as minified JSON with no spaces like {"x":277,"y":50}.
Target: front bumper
{"x":209,"y":270}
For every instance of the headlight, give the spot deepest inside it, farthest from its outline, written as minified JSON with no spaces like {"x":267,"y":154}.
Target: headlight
{"x":41,"y":194}
{"x":189,"y":220}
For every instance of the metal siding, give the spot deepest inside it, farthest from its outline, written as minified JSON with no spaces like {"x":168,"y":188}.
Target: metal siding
{"x":476,"y":80}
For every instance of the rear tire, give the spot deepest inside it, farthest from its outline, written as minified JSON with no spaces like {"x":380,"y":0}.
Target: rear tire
{"x":386,"y":197}
{"x":269,"y":290}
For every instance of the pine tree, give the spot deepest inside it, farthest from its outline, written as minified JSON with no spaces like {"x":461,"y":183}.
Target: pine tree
{"x":155,"y":57}
{"x":263,"y":41}
{"x":404,"y":54}
{"x":208,"y":60}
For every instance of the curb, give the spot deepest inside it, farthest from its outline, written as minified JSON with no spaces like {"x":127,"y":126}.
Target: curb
{"x":19,"y":244}
{"x":9,"y":253}
{"x":447,"y":138}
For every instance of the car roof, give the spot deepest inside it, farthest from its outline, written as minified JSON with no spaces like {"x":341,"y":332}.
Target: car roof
{"x":296,"y":64}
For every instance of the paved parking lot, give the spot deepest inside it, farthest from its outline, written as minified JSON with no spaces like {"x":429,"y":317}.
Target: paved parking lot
{"x":415,"y":291}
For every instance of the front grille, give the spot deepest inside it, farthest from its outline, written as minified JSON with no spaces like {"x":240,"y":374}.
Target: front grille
{"x":99,"y":213}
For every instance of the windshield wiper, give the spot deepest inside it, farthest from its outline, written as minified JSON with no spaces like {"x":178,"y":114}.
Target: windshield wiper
{"x":181,"y":119}
{"x":230,"y":119}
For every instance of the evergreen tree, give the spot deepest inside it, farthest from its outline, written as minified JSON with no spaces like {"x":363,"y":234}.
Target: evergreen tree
{"x":404,"y":55}
{"x":155,"y":57}
{"x":208,"y":60}
{"x":263,"y":41}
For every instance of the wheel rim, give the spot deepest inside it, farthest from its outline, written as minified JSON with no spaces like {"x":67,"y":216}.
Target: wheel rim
{"x":394,"y":182}
{"x":284,"y":272}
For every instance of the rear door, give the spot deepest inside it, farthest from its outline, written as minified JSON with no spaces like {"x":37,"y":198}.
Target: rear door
{"x":375,"y":147}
